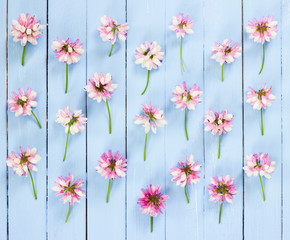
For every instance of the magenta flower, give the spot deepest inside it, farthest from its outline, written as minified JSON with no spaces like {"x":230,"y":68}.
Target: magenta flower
{"x":22,"y":103}
{"x":181,"y":25}
{"x":259,"y":165}
{"x":110,"y":28}
{"x":222,"y":190}
{"x":152,"y":201}
{"x":224,"y":53}
{"x":71,"y":191}
{"x":73,"y":122}
{"x":112,"y":166}
{"x":184,"y":98}
{"x":218,"y":123}
{"x":260,"y":99}
{"x":67,"y":52}
{"x":149,"y":55}
{"x":100,"y":87}
{"x":26,"y":29}
{"x":186,"y":173}
{"x":24,"y":163}
{"x":262,"y":31}
{"x":150,"y":120}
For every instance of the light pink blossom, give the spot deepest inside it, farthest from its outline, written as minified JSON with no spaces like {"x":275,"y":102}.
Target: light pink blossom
{"x":261,"y":98}
{"x":224,"y":53}
{"x":263,"y":30}
{"x":66,"y":51}
{"x":218,"y":123}
{"x":26,"y":29}
{"x":100,"y":87}
{"x":181,"y":25}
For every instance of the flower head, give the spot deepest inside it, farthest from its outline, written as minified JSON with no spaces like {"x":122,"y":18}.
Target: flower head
{"x":224,"y":53}
{"x":218,"y":123}
{"x":149,"y":55}
{"x":112,"y":166}
{"x":66,"y":51}
{"x":262,"y":31}
{"x":110,"y":28}
{"x":100,"y":87}
{"x":260,"y":99}
{"x":186,"y":173}
{"x":75,"y":121}
{"x":70,"y":190}
{"x":181,"y":25}
{"x":222,"y":189}
{"x":22,"y":103}
{"x":23,"y":161}
{"x":183,"y":97}
{"x":151,"y":118}
{"x":26,"y":29}
{"x":152,"y":200}
{"x":259,"y":163}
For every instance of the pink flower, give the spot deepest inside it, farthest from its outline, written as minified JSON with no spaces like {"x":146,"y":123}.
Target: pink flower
{"x":26,"y":29}
{"x":218,"y":123}
{"x":262,"y":31}
{"x":222,"y":189}
{"x":260,"y":99}
{"x":152,"y":200}
{"x":186,"y":173}
{"x":259,"y":164}
{"x":100,"y":87}
{"x":181,"y":25}
{"x":184,"y":98}
{"x":110,"y":28}
{"x":66,"y":51}
{"x":224,"y":53}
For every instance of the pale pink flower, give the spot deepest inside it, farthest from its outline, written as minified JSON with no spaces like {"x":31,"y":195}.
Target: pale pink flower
{"x":26,"y":29}
{"x":218,"y":123}
{"x":224,"y":53}
{"x":100,"y":87}
{"x":262,"y":31}
{"x":181,"y":25}
{"x":222,"y":189}
{"x":261,"y":98}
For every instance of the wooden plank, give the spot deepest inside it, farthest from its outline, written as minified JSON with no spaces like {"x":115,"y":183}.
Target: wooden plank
{"x":147,"y":22}
{"x":99,"y":139}
{"x":255,"y":210}
{"x":220,"y":96}
{"x":73,"y":25}
{"x":24,"y":211}
{"x":179,"y":214}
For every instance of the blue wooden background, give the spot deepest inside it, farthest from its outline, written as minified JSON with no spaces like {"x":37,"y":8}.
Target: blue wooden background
{"x":21,"y":217}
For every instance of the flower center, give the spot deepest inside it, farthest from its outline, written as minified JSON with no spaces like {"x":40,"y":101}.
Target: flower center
{"x":153,"y":199}
{"x":70,"y":188}
{"x":187,"y":170}
{"x":228,"y":50}
{"x":67,"y":48}
{"x":23,"y":159}
{"x":21,"y":102}
{"x":222,"y":189}
{"x":182,"y":24}
{"x":112,"y":164}
{"x":262,"y":27}
{"x":261,"y":93}
{"x":258,"y":163}
{"x":100,"y":88}
{"x":73,"y":121}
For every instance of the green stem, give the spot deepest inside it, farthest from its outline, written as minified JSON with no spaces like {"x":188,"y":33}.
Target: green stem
{"x":223,"y":72}
{"x":109,"y":186}
{"x":66,"y":78}
{"x":263,"y":59}
{"x":23,"y":55}
{"x":110,"y":125}
{"x":32,"y":183}
{"x":219,"y":151}
{"x":68,"y":212}
{"x":186,"y":193}
{"x":146,"y":83}
{"x":262,"y":187}
{"x":151,"y":224}
{"x":185,"y":125}
{"x":145,"y":147}
{"x":66,"y":143}
{"x":262,"y":127}
{"x":111,"y":50}
{"x":220,"y":214}
{"x":36,"y":119}
{"x":181,"y":54}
